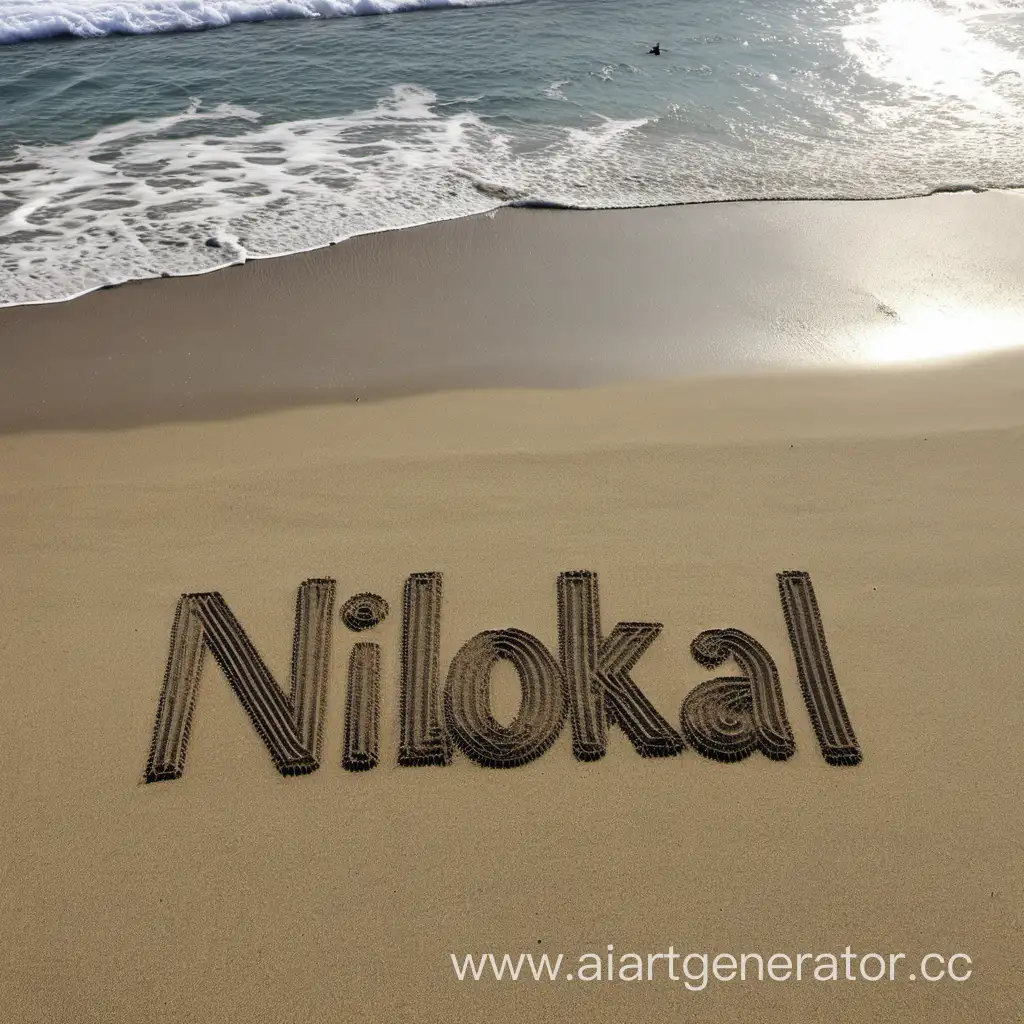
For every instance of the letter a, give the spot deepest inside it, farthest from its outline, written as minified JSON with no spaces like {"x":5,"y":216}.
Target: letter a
{"x":730,"y":717}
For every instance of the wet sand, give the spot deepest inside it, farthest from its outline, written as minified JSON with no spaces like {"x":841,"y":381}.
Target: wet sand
{"x":236,"y":894}
{"x":531,"y":298}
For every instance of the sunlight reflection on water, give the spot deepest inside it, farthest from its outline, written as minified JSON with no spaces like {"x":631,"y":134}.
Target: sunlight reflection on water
{"x":933,"y":333}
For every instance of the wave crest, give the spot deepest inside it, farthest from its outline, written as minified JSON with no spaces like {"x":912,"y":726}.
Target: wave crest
{"x":28,"y":20}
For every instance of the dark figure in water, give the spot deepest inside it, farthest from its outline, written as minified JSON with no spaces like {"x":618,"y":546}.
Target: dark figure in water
{"x":655,"y":50}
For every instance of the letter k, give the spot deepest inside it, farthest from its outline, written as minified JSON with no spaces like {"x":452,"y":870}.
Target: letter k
{"x":597,"y":674}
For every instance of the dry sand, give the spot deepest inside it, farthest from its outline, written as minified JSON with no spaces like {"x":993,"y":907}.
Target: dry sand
{"x":237,"y":895}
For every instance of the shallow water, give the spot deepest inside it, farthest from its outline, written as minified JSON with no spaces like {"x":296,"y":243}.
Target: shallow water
{"x":176,"y":152}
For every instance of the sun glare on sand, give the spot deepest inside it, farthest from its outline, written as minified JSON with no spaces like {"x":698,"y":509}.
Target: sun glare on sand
{"x":934,"y":333}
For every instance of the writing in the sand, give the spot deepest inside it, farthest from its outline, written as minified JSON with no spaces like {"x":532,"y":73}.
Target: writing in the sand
{"x":727,"y":718}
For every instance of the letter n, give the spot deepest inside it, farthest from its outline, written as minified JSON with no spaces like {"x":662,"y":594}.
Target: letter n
{"x":290,"y":725}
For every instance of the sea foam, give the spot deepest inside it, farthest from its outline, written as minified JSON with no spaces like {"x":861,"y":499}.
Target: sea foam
{"x":202,"y":189}
{"x":25,"y":20}
{"x":215,"y":184}
{"x":205,"y":188}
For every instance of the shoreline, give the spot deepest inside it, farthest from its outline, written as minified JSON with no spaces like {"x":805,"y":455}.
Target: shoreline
{"x":530,"y":204}
{"x":529,"y":299}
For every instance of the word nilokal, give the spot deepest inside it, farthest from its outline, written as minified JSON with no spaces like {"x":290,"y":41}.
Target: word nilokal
{"x":726,"y":718}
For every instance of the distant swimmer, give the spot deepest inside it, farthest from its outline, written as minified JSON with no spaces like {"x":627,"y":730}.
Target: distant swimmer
{"x":655,"y":50}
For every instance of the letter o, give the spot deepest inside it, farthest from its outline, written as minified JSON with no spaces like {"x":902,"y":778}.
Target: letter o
{"x":881,"y":967}
{"x":467,"y":699}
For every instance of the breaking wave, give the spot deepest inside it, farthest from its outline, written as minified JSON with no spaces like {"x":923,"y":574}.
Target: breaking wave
{"x":205,"y":188}
{"x":26,"y":20}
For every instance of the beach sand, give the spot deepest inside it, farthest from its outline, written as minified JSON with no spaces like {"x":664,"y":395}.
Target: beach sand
{"x":530,"y":298}
{"x":234,"y":894}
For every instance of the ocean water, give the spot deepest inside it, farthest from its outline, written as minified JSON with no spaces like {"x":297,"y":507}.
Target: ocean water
{"x":133,"y":145}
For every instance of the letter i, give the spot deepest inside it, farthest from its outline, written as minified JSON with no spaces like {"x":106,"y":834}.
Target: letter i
{"x":362,"y":709}
{"x":362,"y":702}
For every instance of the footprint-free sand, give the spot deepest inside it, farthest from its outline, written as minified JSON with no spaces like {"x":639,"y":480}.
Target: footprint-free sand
{"x":214,"y":462}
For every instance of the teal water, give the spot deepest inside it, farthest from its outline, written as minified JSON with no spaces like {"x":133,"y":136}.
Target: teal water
{"x":171,"y":152}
